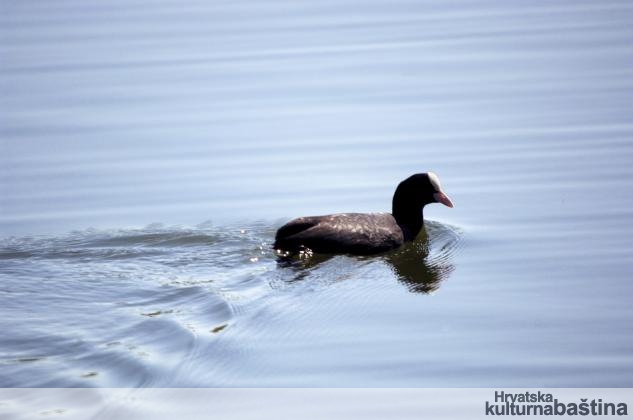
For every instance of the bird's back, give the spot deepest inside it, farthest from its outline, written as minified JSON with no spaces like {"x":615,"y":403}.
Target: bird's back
{"x":355,"y":233}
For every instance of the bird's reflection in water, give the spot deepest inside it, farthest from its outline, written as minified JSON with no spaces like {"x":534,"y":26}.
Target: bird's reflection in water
{"x":417,"y":266}
{"x":420,"y":265}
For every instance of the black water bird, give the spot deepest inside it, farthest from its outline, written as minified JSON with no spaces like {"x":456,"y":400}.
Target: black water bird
{"x":366,"y":233}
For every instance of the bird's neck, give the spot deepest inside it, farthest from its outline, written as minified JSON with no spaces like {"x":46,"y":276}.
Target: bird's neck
{"x":409,"y":219}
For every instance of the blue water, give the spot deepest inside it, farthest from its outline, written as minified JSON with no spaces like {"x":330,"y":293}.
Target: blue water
{"x":148,"y":152}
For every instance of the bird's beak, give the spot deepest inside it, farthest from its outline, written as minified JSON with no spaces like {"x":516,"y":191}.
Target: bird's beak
{"x":440,"y":197}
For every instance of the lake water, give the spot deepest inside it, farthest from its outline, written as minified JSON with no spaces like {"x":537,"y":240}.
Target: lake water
{"x":150,"y":151}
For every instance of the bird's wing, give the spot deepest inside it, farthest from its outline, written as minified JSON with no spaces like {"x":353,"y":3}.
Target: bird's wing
{"x":337,"y":233}
{"x":296,"y":226}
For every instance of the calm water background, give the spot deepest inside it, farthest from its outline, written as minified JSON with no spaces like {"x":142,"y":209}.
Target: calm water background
{"x":150,"y":150}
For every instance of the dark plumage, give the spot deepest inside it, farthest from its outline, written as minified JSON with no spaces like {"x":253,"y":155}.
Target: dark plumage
{"x":366,"y":233}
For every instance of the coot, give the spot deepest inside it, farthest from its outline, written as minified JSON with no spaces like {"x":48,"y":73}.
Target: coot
{"x":366,"y":233}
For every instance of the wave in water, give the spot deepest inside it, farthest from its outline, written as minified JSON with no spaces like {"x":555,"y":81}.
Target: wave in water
{"x":148,"y":307}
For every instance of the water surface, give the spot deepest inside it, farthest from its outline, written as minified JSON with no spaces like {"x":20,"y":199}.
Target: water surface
{"x":149,"y":152}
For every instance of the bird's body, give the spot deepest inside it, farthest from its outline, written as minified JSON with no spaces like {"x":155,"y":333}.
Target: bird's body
{"x":366,"y":233}
{"x":355,"y":233}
